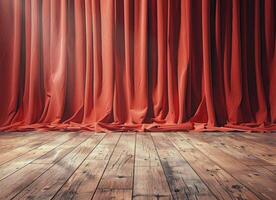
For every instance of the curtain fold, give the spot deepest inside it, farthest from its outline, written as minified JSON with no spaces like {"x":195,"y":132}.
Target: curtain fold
{"x":138,"y":65}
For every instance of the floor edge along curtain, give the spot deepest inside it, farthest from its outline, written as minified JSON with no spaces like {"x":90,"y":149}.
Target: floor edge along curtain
{"x":137,"y":65}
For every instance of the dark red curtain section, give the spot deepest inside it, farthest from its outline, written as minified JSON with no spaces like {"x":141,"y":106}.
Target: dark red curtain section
{"x":137,"y":65}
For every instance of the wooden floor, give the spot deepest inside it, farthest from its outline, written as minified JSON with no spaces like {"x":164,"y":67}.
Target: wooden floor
{"x":58,"y":165}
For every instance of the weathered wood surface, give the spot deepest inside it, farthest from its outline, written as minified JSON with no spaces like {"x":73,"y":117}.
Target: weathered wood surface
{"x":118,"y":175}
{"x":86,"y":165}
{"x":263,"y":183}
{"x":222,"y":184}
{"x":83,"y":183}
{"x":48,"y":184}
{"x":183,"y":180}
{"x":148,"y":171}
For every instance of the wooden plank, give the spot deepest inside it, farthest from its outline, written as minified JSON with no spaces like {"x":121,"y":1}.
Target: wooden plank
{"x":83,"y":183}
{"x":46,"y":186}
{"x":56,"y":154}
{"x":145,"y":153}
{"x":14,"y":140}
{"x":252,"y":135}
{"x":271,"y":168}
{"x":21,"y":161}
{"x":231,"y":148}
{"x":32,"y":144}
{"x":18,"y":136}
{"x":23,"y":177}
{"x":259,"y":150}
{"x":119,"y":171}
{"x":262,"y":184}
{"x":107,"y":194}
{"x":14,"y":184}
{"x":266,"y":139}
{"x":149,"y":179}
{"x":15,"y":134}
{"x":222,"y":184}
{"x":182,"y":179}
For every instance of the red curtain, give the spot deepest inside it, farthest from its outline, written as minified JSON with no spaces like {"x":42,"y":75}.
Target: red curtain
{"x":137,"y":65}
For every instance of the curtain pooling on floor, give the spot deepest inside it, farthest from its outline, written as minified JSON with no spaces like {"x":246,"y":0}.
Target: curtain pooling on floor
{"x":137,"y":65}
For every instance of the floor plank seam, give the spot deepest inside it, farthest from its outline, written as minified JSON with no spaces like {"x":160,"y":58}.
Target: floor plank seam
{"x":52,"y":164}
{"x":78,"y":165}
{"x":192,"y":168}
{"x":105,"y":167}
{"x":154,"y":144}
{"x":133,"y":170}
{"x":36,"y":158}
{"x":254,"y":192}
{"x":24,"y":152}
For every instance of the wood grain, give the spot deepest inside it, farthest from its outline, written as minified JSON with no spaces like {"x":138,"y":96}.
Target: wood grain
{"x":263,"y":184}
{"x":31,"y":143}
{"x":83,"y":183}
{"x":154,"y":166}
{"x":222,"y":184}
{"x":21,"y":161}
{"x":148,"y":171}
{"x":14,"y":184}
{"x":183,"y":181}
{"x":119,"y":171}
{"x":227,"y":145}
{"x":25,"y":176}
{"x":48,"y":184}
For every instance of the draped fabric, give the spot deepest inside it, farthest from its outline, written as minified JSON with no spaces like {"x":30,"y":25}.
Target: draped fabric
{"x":137,"y":65}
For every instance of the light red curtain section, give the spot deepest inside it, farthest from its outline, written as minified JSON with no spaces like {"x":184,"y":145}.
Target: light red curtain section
{"x":137,"y":65}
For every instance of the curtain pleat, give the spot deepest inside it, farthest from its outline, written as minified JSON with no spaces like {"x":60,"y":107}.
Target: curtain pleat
{"x":137,"y":65}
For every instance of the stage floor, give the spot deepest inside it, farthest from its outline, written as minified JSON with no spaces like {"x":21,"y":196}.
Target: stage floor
{"x":82,"y":165}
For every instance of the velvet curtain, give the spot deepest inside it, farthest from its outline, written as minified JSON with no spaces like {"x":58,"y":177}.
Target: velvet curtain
{"x":137,"y":65}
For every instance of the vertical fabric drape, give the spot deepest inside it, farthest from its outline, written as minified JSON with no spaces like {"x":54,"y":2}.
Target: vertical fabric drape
{"x":137,"y":65}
